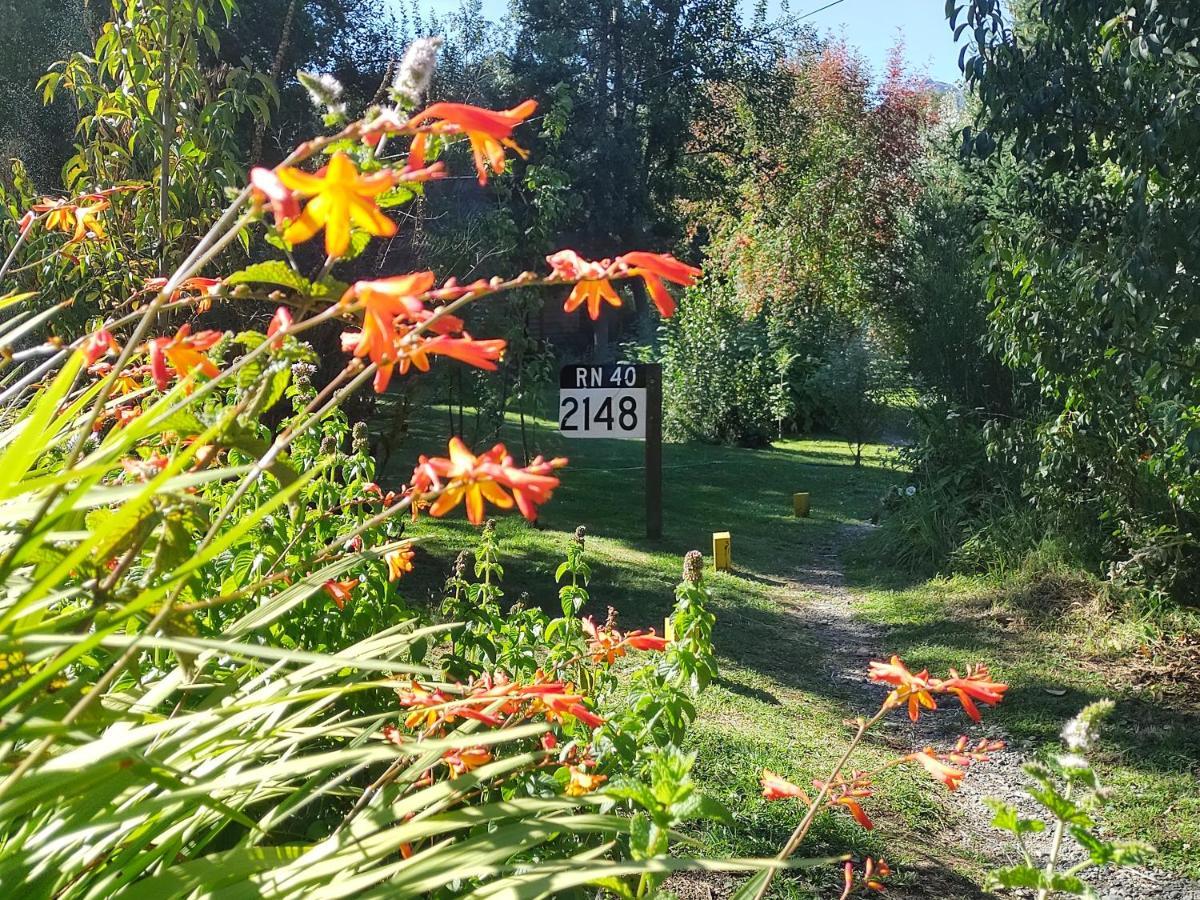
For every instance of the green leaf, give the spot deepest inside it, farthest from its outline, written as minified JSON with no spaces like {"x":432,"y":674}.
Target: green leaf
{"x":274,"y":272}
{"x":1008,"y":818}
{"x":1059,"y":806}
{"x":397,"y":196}
{"x":329,"y":287}
{"x":1021,"y":876}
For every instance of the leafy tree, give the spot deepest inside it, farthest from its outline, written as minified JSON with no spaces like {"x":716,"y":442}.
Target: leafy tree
{"x":1095,"y":257}
{"x":854,"y":384}
{"x":630,"y":78}
{"x":802,"y":183}
{"x":929,"y":290}
{"x":155,"y":108}
{"x":721,"y":383}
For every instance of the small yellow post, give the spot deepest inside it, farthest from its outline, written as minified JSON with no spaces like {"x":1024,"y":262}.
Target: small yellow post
{"x":800,"y":505}
{"x":669,"y":628}
{"x":722,"y":551}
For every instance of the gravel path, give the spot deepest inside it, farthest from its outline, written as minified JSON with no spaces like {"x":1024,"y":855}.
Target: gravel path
{"x":824,"y":607}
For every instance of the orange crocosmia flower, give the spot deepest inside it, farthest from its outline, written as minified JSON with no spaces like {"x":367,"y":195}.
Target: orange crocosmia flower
{"x":872,"y":875}
{"x":908,"y":688}
{"x":470,"y":478}
{"x":846,"y":794}
{"x":963,"y":754}
{"x":873,"y":872}
{"x":592,"y":285}
{"x":975,"y":685}
{"x":582,"y":783}
{"x":340,"y":197}
{"x":195,"y":285}
{"x":384,"y":301}
{"x":489,"y":132}
{"x":603,"y":643}
{"x":183,"y":353}
{"x":86,"y":223}
{"x":775,"y":787}
{"x":396,"y":296}
{"x":97,"y":345}
{"x":947,"y":775}
{"x":339,"y":591}
{"x":558,"y":705}
{"x":269,"y":188}
{"x":641,"y":640}
{"x":847,"y":880}
{"x":855,"y":809}
{"x":281,"y":321}
{"x":128,"y":380}
{"x":462,"y":761}
{"x":426,"y":705}
{"x":464,"y":475}
{"x":490,"y":688}
{"x":452,"y":290}
{"x":531,"y":486}
{"x":73,"y":217}
{"x":479,"y":353}
{"x":654,"y":268}
{"x":399,"y":562}
{"x":435,"y":707}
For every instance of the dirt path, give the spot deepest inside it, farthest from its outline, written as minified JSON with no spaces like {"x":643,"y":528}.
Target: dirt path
{"x":825,"y":608}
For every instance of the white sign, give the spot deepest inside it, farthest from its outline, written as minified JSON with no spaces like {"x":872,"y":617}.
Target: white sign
{"x":603,"y":401}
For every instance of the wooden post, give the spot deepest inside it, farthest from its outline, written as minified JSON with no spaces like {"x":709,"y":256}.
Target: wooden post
{"x":654,"y":487}
{"x":722,"y":551}
{"x":800,"y":505}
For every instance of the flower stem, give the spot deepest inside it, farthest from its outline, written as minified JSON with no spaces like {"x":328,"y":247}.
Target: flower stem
{"x":1055,"y":847}
{"x":806,"y":823}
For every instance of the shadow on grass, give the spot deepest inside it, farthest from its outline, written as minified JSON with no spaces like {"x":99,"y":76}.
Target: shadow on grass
{"x":750,"y":693}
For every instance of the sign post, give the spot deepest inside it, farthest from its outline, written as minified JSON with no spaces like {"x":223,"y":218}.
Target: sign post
{"x":619,"y":401}
{"x":654,"y":498}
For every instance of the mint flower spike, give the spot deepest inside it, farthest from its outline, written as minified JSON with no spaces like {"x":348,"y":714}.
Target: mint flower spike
{"x":1080,"y":733}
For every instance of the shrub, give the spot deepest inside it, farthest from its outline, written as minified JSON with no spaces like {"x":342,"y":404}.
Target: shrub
{"x":722,"y":382}
{"x":1091,"y":290}
{"x":951,"y":491}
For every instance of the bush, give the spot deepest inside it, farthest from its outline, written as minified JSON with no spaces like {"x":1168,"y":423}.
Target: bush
{"x":952,"y":491}
{"x":722,"y":382}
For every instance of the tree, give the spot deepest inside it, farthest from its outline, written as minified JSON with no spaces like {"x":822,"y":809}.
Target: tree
{"x":854,"y":383}
{"x":1094,"y":257}
{"x":801,"y":184}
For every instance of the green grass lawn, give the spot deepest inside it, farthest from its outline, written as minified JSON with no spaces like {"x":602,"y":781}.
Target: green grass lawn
{"x":1058,"y":658}
{"x":774,"y":704}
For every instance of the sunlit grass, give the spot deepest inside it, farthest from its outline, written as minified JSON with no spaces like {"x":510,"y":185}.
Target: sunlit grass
{"x":1055,"y":661}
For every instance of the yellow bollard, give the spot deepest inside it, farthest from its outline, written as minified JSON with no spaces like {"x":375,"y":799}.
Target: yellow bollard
{"x":722,"y":551}
{"x":800,"y":505}
{"x":669,"y":628}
